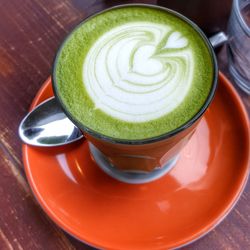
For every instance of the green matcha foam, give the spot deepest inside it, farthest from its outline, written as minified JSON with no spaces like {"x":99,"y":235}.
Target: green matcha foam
{"x":133,"y":73}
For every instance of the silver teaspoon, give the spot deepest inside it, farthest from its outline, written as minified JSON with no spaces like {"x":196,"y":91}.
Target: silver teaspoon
{"x":47,"y":126}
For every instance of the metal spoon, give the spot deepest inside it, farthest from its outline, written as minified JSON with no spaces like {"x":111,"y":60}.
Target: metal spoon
{"x":48,"y":126}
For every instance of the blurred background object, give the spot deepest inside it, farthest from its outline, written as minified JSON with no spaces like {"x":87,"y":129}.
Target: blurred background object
{"x":238,"y":49}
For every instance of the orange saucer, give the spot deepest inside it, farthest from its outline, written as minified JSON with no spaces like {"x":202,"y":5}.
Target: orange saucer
{"x":170,"y":212}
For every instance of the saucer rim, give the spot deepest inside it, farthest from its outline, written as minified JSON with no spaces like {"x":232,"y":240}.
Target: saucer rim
{"x":203,"y":231}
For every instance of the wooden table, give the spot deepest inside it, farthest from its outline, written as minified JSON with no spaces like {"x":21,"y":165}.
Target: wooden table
{"x":30,"y":32}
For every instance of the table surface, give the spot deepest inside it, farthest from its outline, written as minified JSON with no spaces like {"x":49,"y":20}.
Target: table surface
{"x":30,"y":32}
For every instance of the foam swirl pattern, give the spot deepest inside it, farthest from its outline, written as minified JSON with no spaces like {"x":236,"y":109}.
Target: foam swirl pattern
{"x":139,"y":71}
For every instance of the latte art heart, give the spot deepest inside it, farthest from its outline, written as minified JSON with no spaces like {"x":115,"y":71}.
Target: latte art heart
{"x":175,"y":40}
{"x":130,"y":77}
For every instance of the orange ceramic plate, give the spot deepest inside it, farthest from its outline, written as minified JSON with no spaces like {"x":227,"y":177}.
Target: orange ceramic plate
{"x":170,"y":212}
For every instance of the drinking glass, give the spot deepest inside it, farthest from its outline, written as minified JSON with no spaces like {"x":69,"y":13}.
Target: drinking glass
{"x":144,"y":160}
{"x":238,"y":48}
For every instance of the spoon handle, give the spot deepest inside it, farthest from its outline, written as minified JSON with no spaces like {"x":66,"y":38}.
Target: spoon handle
{"x":218,"y":39}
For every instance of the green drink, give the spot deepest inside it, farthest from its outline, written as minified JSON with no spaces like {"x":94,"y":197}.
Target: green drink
{"x":134,"y":72}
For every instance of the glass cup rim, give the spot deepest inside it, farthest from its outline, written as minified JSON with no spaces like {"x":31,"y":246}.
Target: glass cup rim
{"x":242,"y":21}
{"x":161,"y":137}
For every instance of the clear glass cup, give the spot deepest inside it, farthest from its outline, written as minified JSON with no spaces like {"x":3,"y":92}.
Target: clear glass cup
{"x":144,"y":160}
{"x":238,"y":48}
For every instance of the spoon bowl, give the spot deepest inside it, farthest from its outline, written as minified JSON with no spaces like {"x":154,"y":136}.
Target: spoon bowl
{"x":48,"y":126}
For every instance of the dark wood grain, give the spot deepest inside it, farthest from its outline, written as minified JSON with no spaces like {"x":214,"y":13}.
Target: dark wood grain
{"x":30,"y":32}
{"x":22,"y":223}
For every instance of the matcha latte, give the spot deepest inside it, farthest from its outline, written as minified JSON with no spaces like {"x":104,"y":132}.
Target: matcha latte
{"x":133,"y":72}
